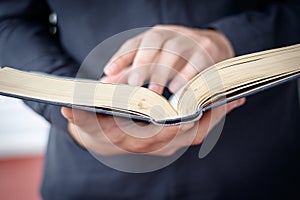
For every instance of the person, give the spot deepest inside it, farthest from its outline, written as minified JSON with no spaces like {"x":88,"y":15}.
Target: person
{"x":256,"y":156}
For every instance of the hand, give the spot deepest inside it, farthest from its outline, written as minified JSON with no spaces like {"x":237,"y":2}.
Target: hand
{"x":109,"y":135}
{"x":176,"y":48}
{"x":166,"y":53}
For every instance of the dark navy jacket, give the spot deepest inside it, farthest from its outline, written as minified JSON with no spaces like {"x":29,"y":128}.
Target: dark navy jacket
{"x":256,"y":155}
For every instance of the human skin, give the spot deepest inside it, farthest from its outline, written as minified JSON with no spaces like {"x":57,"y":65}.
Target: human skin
{"x":163,"y":54}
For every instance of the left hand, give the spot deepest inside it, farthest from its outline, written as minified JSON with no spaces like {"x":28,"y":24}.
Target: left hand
{"x":108,"y":135}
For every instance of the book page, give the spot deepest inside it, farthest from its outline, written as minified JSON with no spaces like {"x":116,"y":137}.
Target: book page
{"x":174,"y":98}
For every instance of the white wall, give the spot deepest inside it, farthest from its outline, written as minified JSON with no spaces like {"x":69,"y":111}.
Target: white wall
{"x":22,"y":131}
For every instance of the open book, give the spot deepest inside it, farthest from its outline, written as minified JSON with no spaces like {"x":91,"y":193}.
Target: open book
{"x":223,"y":82}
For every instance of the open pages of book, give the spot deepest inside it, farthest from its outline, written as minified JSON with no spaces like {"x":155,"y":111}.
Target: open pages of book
{"x":223,"y":82}
{"x":240,"y":76}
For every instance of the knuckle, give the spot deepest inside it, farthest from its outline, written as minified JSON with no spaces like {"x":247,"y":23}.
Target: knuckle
{"x":173,"y":45}
{"x":155,"y":34}
{"x":206,"y":43}
{"x":131,"y":42}
{"x":128,"y":46}
{"x":138,"y":147}
{"x":188,"y":52}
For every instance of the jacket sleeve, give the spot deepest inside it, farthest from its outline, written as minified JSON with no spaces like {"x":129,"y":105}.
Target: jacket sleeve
{"x":274,"y":26}
{"x":27,"y":44}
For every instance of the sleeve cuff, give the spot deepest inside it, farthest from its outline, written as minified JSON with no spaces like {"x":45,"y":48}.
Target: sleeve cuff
{"x":243,"y":37}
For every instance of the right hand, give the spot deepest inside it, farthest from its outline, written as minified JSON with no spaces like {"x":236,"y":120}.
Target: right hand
{"x":167,"y":53}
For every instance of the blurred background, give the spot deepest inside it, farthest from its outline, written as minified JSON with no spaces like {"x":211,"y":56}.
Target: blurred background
{"x":23,"y":140}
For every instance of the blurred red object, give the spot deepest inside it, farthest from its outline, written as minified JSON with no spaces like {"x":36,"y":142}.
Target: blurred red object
{"x":20,"y":178}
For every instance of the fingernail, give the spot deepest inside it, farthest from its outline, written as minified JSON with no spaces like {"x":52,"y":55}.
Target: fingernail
{"x":104,"y":80}
{"x":110,"y":68}
{"x":239,"y":102}
{"x":155,"y":88}
{"x":134,"y":79}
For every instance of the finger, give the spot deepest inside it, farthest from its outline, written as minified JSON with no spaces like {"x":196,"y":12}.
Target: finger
{"x":199,"y":131}
{"x":120,"y":136}
{"x":150,"y":46}
{"x":168,"y":146}
{"x":186,"y":127}
{"x":186,"y":74}
{"x":148,"y":144}
{"x":110,"y":79}
{"x":167,"y":139}
{"x":175,"y":50}
{"x":237,"y":103}
{"x":141,"y":137}
{"x":211,"y":118}
{"x":120,"y":78}
{"x":198,"y":62}
{"x":95,"y":139}
{"x":67,"y":113}
{"x":123,"y":57}
{"x":138,"y":75}
{"x":83,"y":119}
{"x":162,"y":71}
